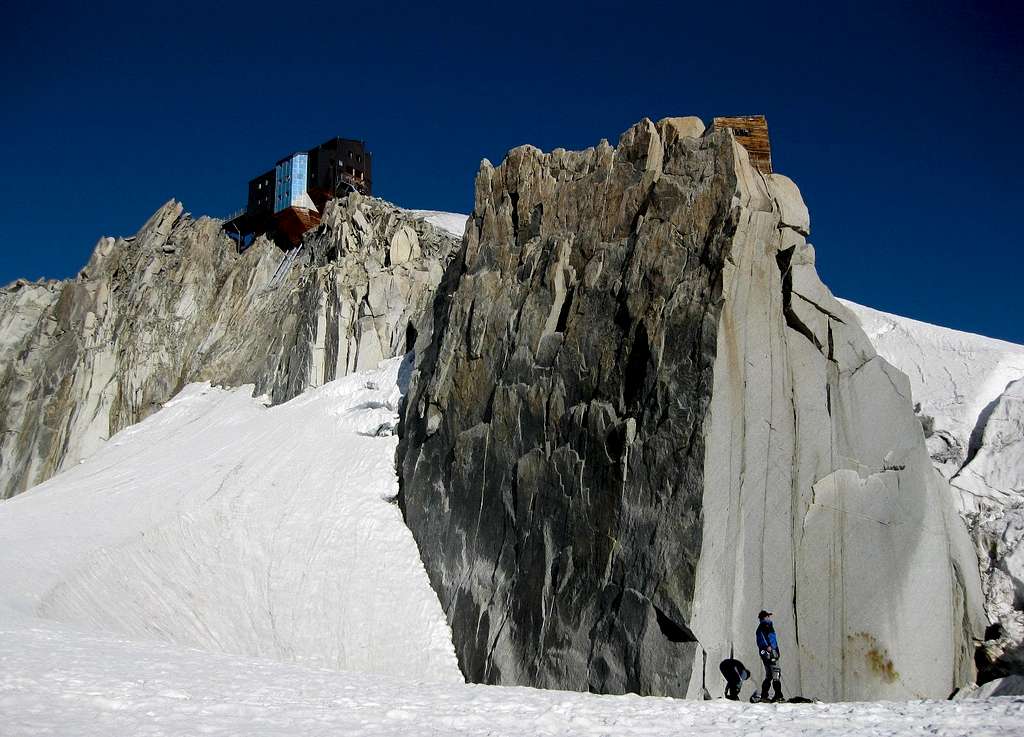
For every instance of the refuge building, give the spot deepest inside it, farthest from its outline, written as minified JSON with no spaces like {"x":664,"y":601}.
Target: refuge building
{"x":289,"y":199}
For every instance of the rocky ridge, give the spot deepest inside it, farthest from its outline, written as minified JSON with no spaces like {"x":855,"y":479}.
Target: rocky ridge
{"x":176,"y":303}
{"x":642,"y":417}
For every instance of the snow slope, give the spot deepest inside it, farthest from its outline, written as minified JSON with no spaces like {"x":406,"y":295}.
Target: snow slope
{"x":56,"y":681}
{"x":964,"y":383}
{"x":221,"y":524}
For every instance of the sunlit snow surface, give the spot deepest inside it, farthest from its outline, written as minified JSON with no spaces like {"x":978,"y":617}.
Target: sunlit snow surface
{"x":224,"y":568}
{"x":451,"y":222}
{"x":221,"y":524}
{"x":59,"y":682}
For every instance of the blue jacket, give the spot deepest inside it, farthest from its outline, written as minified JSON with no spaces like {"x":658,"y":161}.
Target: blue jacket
{"x":766,"y":639}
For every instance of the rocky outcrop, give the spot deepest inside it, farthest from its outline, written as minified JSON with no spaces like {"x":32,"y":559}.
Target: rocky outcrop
{"x":969,"y":396}
{"x":999,"y":538}
{"x":967,"y":392}
{"x":994,"y":480}
{"x":993,"y":476}
{"x":1005,"y":686}
{"x":84,"y":358}
{"x":641,"y":418}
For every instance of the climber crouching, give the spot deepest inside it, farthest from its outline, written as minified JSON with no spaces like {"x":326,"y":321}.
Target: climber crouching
{"x":735,"y":674}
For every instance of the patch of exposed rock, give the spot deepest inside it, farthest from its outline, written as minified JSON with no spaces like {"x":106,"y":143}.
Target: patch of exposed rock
{"x":999,"y":537}
{"x":642,"y":417}
{"x":176,"y":303}
{"x":992,"y":483}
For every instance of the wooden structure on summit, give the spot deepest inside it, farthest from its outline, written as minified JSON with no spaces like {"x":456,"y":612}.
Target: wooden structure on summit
{"x":751,"y":132}
{"x":289,"y":199}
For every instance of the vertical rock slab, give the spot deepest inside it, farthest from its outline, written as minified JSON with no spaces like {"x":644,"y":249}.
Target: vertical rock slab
{"x":641,"y":417}
{"x":820,"y":502}
{"x":552,"y":448}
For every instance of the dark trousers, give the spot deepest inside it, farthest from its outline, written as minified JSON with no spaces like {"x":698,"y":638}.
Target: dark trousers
{"x":732,"y":690}
{"x":772,"y":679}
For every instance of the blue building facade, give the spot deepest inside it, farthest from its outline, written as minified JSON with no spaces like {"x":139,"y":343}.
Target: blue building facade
{"x":290,"y":181}
{"x":289,"y":198}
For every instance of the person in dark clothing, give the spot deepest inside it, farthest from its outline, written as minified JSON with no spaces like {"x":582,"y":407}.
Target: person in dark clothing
{"x":768,"y":648}
{"x":735,"y":674}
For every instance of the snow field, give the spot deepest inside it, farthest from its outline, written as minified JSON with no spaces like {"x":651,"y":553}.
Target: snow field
{"x":221,"y":524}
{"x":451,"y":222}
{"x":57,"y":681}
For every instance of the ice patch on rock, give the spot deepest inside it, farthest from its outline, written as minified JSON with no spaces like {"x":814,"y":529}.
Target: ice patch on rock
{"x":453,"y":223}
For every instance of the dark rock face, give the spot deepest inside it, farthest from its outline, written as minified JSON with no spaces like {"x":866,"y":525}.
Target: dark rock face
{"x":552,"y":450}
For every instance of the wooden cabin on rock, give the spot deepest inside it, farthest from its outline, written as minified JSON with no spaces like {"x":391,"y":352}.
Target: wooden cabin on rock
{"x":751,"y":132}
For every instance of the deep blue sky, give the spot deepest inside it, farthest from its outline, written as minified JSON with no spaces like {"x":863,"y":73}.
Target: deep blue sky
{"x":900,"y":122}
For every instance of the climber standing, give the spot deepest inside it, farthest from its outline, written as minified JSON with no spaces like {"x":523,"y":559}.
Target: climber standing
{"x":768,"y":648}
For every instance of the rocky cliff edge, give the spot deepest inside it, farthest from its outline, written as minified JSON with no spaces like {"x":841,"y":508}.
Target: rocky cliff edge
{"x":176,"y":303}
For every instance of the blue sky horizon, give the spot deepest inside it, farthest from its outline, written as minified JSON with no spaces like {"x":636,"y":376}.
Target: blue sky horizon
{"x":895,"y":119}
